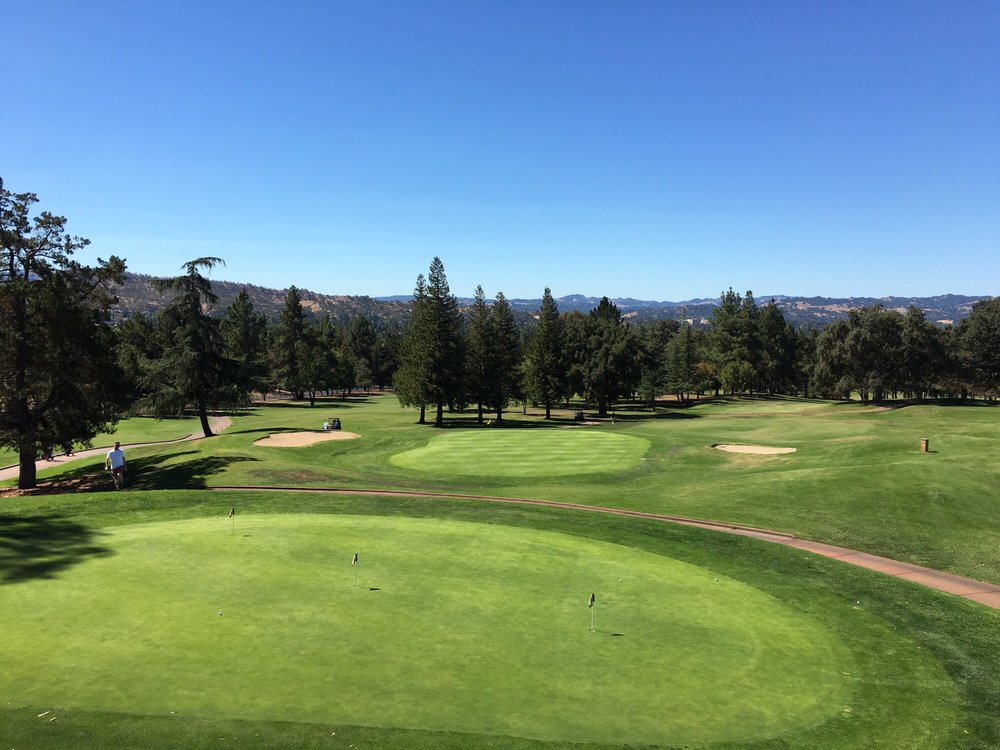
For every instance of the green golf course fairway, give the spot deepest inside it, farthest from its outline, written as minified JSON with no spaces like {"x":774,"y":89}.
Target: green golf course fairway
{"x":463,"y":617}
{"x":525,"y":453}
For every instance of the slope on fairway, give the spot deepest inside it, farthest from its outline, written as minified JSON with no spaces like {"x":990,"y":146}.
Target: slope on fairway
{"x":454,"y":626}
{"x":525,"y":453}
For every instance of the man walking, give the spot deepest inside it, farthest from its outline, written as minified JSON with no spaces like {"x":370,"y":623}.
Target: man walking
{"x":115,"y":463}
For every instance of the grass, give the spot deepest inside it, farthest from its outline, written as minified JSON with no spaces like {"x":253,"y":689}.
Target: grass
{"x":534,"y":453}
{"x":884,"y":662}
{"x":461,"y":647}
{"x":131,"y":430}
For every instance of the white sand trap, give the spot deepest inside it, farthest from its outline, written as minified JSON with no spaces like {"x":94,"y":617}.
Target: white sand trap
{"x":760,"y":450}
{"x":300,"y":439}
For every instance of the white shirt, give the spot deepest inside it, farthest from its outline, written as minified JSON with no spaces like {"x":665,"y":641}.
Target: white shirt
{"x":116,"y":457}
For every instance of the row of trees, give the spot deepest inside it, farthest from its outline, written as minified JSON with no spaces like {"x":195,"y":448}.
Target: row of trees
{"x":67,"y":374}
{"x":187,"y":357}
{"x":486,"y":361}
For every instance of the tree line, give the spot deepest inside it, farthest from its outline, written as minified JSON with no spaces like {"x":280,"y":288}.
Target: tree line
{"x":66,"y":373}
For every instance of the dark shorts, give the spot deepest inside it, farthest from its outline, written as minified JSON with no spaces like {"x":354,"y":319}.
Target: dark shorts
{"x":118,"y":471}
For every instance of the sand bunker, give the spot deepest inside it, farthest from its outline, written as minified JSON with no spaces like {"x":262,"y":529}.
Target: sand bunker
{"x":761,"y":450}
{"x":300,"y":439}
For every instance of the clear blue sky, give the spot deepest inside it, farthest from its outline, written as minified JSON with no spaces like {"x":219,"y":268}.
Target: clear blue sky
{"x":659,"y":150}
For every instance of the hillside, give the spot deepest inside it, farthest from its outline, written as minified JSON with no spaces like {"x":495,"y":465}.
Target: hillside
{"x":138,"y":296}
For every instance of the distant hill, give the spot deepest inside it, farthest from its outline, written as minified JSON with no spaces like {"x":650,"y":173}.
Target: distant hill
{"x":138,"y":296}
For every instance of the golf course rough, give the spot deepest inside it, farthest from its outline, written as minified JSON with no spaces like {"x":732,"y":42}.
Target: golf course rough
{"x":452,"y":626}
{"x":525,"y":453}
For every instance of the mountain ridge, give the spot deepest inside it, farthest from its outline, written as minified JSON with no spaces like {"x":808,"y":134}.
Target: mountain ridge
{"x":137,"y":295}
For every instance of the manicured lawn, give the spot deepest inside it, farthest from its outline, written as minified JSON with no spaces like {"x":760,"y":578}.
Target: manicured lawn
{"x":131,"y":430}
{"x":478,"y":635}
{"x":524,"y":453}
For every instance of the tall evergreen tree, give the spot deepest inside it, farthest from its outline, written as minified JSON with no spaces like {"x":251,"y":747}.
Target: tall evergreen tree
{"x":287,"y":343}
{"x":609,"y":369}
{"x":503,"y":382}
{"x":478,"y":359}
{"x":545,"y":364}
{"x":682,"y":376}
{"x":244,"y":333}
{"x":410,"y":380}
{"x":59,"y":380}
{"x":193,"y":369}
{"x":776,"y":354}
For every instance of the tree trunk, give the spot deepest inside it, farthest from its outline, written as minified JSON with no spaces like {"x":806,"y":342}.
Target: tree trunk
{"x":203,"y":416}
{"x":423,"y":413}
{"x":548,"y":411}
{"x":27,"y":477}
{"x":480,"y":416}
{"x":439,"y":417}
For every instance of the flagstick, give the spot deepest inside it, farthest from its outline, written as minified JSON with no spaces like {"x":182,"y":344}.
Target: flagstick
{"x":593,"y":609}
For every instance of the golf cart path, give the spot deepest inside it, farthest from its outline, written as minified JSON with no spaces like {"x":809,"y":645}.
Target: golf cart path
{"x":967,"y":588}
{"x":217,"y":424}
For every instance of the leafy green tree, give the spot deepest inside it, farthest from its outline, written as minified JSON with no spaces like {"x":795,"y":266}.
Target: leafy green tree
{"x":288,"y":344}
{"x":832,"y":374}
{"x":59,"y":379}
{"x":922,"y":355}
{"x":503,"y":382}
{"x":545,"y":361}
{"x":244,"y":333}
{"x":193,"y":369}
{"x":874,"y":344}
{"x":980,"y":347}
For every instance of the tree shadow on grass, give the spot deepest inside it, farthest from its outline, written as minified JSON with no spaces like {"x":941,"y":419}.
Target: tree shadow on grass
{"x":42,"y":546}
{"x":154,"y":472}
{"x":162,"y":471}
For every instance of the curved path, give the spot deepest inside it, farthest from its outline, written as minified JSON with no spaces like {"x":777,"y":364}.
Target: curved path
{"x":967,"y":588}
{"x":218,"y":424}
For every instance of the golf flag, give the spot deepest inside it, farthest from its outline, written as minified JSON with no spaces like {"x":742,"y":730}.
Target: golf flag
{"x":593,"y":599}
{"x":355,"y":560}
{"x":232,"y":512}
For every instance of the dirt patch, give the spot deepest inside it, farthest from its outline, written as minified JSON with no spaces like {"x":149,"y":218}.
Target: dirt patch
{"x":760,"y":450}
{"x":580,"y":424}
{"x":300,"y":439}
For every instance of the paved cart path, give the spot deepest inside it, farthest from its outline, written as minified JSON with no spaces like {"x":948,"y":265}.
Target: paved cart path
{"x":218,"y":424}
{"x":967,"y":588}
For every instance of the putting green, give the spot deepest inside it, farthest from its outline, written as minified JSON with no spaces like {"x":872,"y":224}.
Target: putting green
{"x":525,"y":453}
{"x":453,"y":625}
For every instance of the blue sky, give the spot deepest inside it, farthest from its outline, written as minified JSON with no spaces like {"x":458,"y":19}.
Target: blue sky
{"x":658,"y":150}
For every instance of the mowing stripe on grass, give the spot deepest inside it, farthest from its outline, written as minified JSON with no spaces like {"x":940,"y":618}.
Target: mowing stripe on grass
{"x":525,"y":453}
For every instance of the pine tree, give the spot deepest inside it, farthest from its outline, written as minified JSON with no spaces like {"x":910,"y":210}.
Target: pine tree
{"x":244,"y":333}
{"x":503,"y":382}
{"x":59,"y":380}
{"x":287,"y":345}
{"x":545,"y":363}
{"x":410,"y":380}
{"x":477,"y":347}
{"x":193,"y":369}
